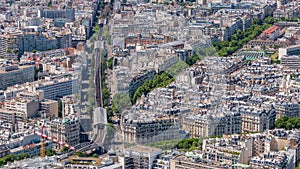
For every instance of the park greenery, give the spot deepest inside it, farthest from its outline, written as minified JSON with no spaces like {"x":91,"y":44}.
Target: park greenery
{"x":159,"y":80}
{"x":200,"y":53}
{"x":84,"y":154}
{"x":91,"y":90}
{"x":121,"y":102}
{"x":110,"y":63}
{"x":64,"y":149}
{"x":271,"y":20}
{"x":50,"y":152}
{"x":60,"y":108}
{"x":36,"y":72}
{"x":193,"y":59}
{"x":12,"y":157}
{"x":164,"y":145}
{"x":110,"y":133}
{"x":288,"y":123}
{"x":240,"y":38}
{"x":81,"y":154}
{"x":105,"y":63}
{"x":188,"y":144}
{"x":105,"y":91}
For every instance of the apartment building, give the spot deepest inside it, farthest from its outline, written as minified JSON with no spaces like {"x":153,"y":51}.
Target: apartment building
{"x":261,"y":44}
{"x":193,"y":160}
{"x":55,"y":87}
{"x":213,"y":125}
{"x":230,"y":151}
{"x":291,"y":62}
{"x":49,"y":108}
{"x":287,"y":108}
{"x":4,"y":150}
{"x":69,"y":105}
{"x":9,"y":119}
{"x":16,"y":43}
{"x":271,"y":33}
{"x":141,"y":157}
{"x":67,"y":13}
{"x":24,"y":108}
{"x":33,"y":149}
{"x":288,"y":51}
{"x":11,"y":74}
{"x":8,"y":47}
{"x":257,"y":120}
{"x":66,"y":130}
{"x":288,"y":11}
{"x":91,"y":162}
{"x":273,"y":160}
{"x":151,"y":130}
{"x":146,"y":39}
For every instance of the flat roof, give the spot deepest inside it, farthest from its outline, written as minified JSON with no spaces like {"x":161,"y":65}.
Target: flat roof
{"x":19,"y":68}
{"x":241,"y":165}
{"x":140,"y":148}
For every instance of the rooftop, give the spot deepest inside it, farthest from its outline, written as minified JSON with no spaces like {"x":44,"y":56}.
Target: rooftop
{"x":143,"y":149}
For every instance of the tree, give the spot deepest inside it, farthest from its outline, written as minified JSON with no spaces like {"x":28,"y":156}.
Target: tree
{"x":49,"y":3}
{"x":110,"y":113}
{"x":64,"y":149}
{"x":50,"y":152}
{"x":190,"y":144}
{"x":110,"y":132}
{"x":59,"y":108}
{"x":121,"y":102}
{"x":240,"y":38}
{"x":193,"y":59}
{"x":81,"y":154}
{"x":110,"y":63}
{"x":287,"y":123}
{"x":23,"y":156}
{"x":270,"y":20}
{"x":36,"y":73}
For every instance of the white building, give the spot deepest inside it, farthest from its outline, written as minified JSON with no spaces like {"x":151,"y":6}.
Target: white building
{"x":291,"y":50}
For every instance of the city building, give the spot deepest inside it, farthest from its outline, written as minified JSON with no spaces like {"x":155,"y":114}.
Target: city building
{"x":290,"y":61}
{"x":24,"y":108}
{"x":69,"y":105}
{"x":255,"y":120}
{"x":273,"y":160}
{"x":4,"y":150}
{"x":271,"y":33}
{"x":55,"y":87}
{"x":89,"y":162}
{"x":67,"y":13}
{"x":140,"y":157}
{"x":152,"y":130}
{"x":66,"y":130}
{"x":12,"y":74}
{"x":49,"y":108}
{"x":32,"y":149}
{"x":9,"y":119}
{"x":288,"y":51}
{"x":229,"y":151}
{"x":213,"y":125}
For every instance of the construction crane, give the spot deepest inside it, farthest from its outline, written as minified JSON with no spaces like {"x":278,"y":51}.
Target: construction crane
{"x":44,"y":136}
